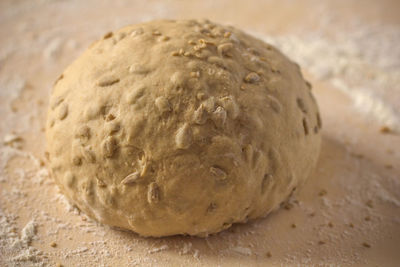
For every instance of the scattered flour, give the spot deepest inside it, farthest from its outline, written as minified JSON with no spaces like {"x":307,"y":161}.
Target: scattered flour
{"x":53,"y":49}
{"x":11,"y":87}
{"x":385,"y":195}
{"x":16,"y":247}
{"x":187,"y":247}
{"x":158,"y":249}
{"x":242,"y":251}
{"x":357,"y":62}
{"x":12,"y":140}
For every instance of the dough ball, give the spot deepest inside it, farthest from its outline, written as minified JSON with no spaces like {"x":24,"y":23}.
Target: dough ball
{"x":181,"y":127}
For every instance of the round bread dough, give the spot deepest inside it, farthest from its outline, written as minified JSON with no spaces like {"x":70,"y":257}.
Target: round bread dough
{"x":181,"y":127}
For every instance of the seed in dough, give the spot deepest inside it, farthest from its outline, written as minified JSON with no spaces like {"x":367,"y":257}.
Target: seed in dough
{"x":252,"y":77}
{"x":131,"y":178}
{"x":183,"y":136}
{"x":63,"y":112}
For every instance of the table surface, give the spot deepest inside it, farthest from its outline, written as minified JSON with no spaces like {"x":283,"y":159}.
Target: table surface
{"x":348,"y":213}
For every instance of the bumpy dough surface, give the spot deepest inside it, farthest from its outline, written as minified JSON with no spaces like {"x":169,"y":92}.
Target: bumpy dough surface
{"x":181,"y":127}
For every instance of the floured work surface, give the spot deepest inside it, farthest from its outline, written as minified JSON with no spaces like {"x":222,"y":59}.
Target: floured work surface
{"x":348,"y":213}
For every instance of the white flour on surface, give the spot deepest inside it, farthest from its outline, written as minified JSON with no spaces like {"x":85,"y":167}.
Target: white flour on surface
{"x":364,"y":62}
{"x":16,"y":247}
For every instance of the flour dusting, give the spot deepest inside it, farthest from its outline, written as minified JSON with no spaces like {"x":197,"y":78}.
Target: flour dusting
{"x":363,"y":62}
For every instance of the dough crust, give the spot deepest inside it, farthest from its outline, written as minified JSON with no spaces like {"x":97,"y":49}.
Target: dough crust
{"x":181,"y":127}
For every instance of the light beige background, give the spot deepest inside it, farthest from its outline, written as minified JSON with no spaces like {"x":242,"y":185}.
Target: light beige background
{"x":40,"y":38}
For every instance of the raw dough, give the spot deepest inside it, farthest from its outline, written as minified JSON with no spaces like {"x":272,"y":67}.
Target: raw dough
{"x":181,"y":127}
